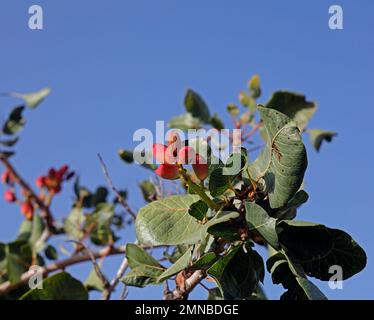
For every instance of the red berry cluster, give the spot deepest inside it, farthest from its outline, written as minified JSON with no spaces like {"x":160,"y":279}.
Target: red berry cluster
{"x":52,"y":182}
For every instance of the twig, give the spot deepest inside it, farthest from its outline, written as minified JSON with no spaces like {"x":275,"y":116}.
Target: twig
{"x":59,"y":265}
{"x":121,"y":199}
{"x":252,"y":132}
{"x":6,"y":287}
{"x":121,"y":270}
{"x":97,"y":269}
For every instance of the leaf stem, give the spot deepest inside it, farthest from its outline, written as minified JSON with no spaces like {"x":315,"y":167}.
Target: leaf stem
{"x":196,"y":188}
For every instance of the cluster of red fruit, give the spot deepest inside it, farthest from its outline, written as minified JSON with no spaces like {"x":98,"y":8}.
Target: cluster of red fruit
{"x":51,"y":182}
{"x":174,"y":155}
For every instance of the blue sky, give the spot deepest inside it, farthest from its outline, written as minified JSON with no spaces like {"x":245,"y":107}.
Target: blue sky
{"x":116,"y":66}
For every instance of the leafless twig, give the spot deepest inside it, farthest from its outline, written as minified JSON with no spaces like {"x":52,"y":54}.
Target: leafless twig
{"x":121,"y":199}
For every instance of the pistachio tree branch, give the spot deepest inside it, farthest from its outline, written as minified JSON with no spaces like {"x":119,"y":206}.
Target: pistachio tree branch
{"x":121,"y":199}
{"x":44,"y":209}
{"x":190,"y":284}
{"x":121,"y":270}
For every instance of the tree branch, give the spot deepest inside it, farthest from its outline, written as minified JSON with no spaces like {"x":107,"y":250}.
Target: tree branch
{"x":190,"y":284}
{"x":45,"y":212}
{"x":121,"y":199}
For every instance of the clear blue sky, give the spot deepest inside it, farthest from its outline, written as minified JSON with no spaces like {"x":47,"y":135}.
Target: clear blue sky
{"x":116,"y":66}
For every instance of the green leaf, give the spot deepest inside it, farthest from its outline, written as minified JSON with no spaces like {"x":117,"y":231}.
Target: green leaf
{"x":185,"y":121}
{"x":293,"y":105}
{"x":283,"y":161}
{"x":148,"y":190}
{"x":182,"y":263}
{"x":217,"y":122}
{"x":317,"y":136}
{"x":15,"y":121}
{"x":101,"y":218}
{"x":233,"y":109}
{"x":126,"y":155}
{"x":215,"y":294}
{"x":316,"y":248}
{"x":254,"y":86}
{"x":93,"y":282}
{"x":205,"y":261}
{"x":225,"y":224}
{"x":198,"y":210}
{"x":73,"y":223}
{"x":100,"y":196}
{"x":167,"y":222}
{"x":145,"y":269}
{"x":226,"y":230}
{"x":259,"y":220}
{"x":297,"y":285}
{"x":222,"y":176}
{"x":218,"y":182}
{"x":10,"y":142}
{"x":288,"y":212}
{"x":17,"y":259}
{"x":32,"y":99}
{"x":61,"y":286}
{"x":238,"y":273}
{"x":196,"y":106}
{"x":51,"y":252}
{"x":177,"y":252}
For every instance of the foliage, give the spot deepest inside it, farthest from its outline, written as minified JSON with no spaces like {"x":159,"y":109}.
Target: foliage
{"x":212,"y":229}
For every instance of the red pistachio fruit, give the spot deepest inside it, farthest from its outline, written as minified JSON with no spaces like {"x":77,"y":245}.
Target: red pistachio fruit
{"x":200,"y":167}
{"x":7,"y":177}
{"x":158,"y":151}
{"x":186,"y":155}
{"x":167,"y":171}
{"x":40,"y":182}
{"x":9,"y":196}
{"x":27,"y":210}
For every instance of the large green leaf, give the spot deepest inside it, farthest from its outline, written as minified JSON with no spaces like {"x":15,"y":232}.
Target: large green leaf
{"x":32,"y":99}
{"x":167,"y":222}
{"x":298,"y":286}
{"x":144,"y":268}
{"x":61,"y":286}
{"x":182,"y":263}
{"x":196,"y":106}
{"x":238,"y":273}
{"x":288,"y":212}
{"x":293,"y":105}
{"x":283,"y":161}
{"x":317,"y":136}
{"x":258,"y":220}
{"x":316,"y":248}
